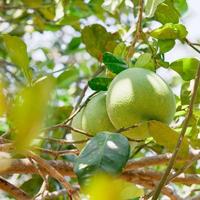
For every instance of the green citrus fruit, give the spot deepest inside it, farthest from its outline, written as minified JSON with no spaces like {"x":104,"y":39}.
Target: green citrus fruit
{"x":93,"y":118}
{"x":137,"y":95}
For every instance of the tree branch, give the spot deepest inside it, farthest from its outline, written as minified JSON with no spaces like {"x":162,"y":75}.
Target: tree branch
{"x":13,"y":190}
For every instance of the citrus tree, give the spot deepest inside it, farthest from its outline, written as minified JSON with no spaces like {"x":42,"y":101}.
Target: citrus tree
{"x":90,"y":108}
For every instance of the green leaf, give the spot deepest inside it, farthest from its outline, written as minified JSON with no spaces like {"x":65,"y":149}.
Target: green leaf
{"x":98,"y":40}
{"x":67,"y":77}
{"x":145,"y":61}
{"x":74,"y":44}
{"x":170,"y":31}
{"x":106,"y":152}
{"x":186,"y":67}
{"x":48,"y":11}
{"x":99,"y":83}
{"x":166,"y":13}
{"x":27,"y":112}
{"x":167,"y":137}
{"x":32,"y":4}
{"x":111,"y":5}
{"x":166,"y":45}
{"x":120,"y":50}
{"x":151,"y":6}
{"x":181,"y":6}
{"x":17,"y":51}
{"x":114,"y":64}
{"x":32,"y":186}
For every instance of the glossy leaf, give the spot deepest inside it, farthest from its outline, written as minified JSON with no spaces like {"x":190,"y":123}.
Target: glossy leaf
{"x":114,"y":64}
{"x":167,"y":137}
{"x":170,"y":31}
{"x":186,"y":67}
{"x":181,"y":5}
{"x":106,"y":152}
{"x":99,"y":83}
{"x":17,"y":51}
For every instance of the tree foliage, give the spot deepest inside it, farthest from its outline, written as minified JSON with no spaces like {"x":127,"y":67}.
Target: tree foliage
{"x":55,"y":55}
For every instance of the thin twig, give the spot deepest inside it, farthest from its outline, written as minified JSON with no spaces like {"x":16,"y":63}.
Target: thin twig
{"x":138,"y":31}
{"x":180,"y":139}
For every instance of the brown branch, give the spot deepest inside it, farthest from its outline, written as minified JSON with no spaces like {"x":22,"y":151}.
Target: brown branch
{"x":180,"y":139}
{"x":138,"y":31}
{"x":13,"y":190}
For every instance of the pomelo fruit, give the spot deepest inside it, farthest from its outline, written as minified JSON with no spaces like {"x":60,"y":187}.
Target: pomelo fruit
{"x":93,"y":118}
{"x":137,"y":95}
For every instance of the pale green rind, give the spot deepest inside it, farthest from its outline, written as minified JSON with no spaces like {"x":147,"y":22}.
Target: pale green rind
{"x":137,"y":95}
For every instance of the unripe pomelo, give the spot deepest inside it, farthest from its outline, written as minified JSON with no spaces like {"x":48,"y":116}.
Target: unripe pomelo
{"x":138,"y":95}
{"x":93,"y":118}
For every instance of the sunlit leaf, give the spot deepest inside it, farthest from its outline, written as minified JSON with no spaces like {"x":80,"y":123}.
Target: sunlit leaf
{"x":99,"y":83}
{"x":166,"y":13}
{"x":170,"y":31}
{"x":151,"y":6}
{"x":28,"y":110}
{"x":17,"y":51}
{"x":114,"y":64}
{"x":106,"y":152}
{"x":97,"y":188}
{"x":186,"y":67}
{"x":167,"y":137}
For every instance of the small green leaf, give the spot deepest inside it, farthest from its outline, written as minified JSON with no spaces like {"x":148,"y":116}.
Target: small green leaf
{"x":106,"y":152}
{"x":99,"y":83}
{"x":170,"y":31}
{"x":166,"y":13}
{"x":17,"y":51}
{"x":120,"y":50}
{"x":114,"y":64}
{"x":186,"y":67}
{"x":145,"y":61}
{"x":32,"y":4}
{"x":181,"y":6}
{"x":167,"y":137}
{"x":74,"y":44}
{"x":67,"y":77}
{"x":48,"y":11}
{"x":111,"y":5}
{"x":151,"y":6}
{"x":166,"y":45}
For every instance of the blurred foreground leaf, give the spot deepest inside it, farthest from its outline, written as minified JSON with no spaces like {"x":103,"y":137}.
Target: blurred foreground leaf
{"x":28,"y":110}
{"x":105,"y":187}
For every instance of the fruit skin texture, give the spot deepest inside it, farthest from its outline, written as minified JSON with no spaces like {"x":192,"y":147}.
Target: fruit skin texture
{"x":93,"y":118}
{"x":138,"y":95}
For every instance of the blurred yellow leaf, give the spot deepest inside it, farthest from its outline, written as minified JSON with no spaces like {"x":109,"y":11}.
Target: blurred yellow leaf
{"x":105,"y":187}
{"x":17,"y":51}
{"x":48,"y":12}
{"x":2,"y":101}
{"x":28,"y":111}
